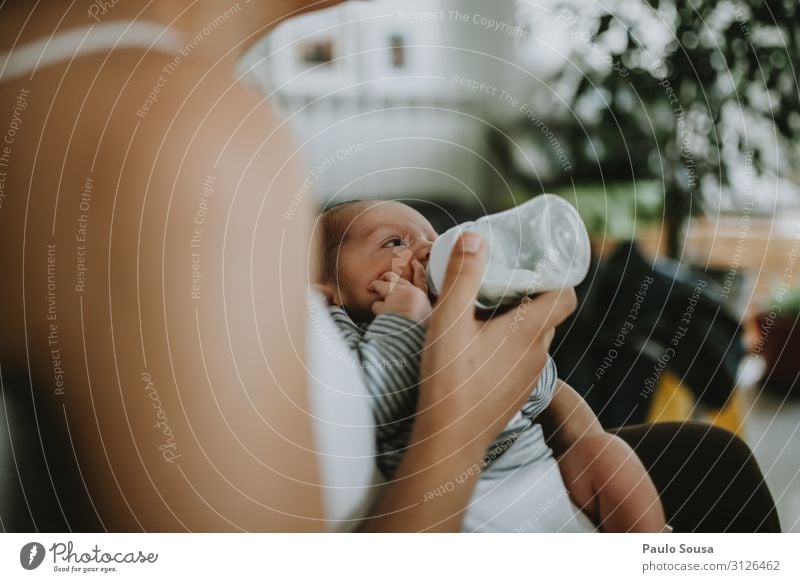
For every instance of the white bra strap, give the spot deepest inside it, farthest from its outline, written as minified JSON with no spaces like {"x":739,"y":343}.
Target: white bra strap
{"x":65,"y":46}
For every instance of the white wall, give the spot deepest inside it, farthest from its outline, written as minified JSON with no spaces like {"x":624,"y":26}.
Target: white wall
{"x":420,"y":134}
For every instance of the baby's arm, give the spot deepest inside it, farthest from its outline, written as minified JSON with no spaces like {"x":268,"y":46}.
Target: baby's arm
{"x":567,"y":419}
{"x":608,"y":482}
{"x":603,"y":474}
{"x":388,"y":354}
{"x":394,"y":339}
{"x":389,"y":350}
{"x":390,"y":341}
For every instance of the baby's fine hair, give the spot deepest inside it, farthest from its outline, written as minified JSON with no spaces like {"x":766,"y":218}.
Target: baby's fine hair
{"x":335,"y":223}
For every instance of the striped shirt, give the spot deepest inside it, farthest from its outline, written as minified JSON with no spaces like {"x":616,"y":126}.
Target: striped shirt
{"x":389,"y":351}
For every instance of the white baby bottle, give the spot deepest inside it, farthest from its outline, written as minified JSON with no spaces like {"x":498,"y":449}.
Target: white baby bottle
{"x":541,"y":245}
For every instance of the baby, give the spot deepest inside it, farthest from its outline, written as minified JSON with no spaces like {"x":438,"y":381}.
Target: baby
{"x":374,"y":259}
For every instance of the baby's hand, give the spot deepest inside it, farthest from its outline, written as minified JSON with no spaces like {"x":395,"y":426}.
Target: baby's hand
{"x":402,"y":297}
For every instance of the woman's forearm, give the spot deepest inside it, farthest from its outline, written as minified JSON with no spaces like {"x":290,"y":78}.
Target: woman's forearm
{"x":567,"y":419}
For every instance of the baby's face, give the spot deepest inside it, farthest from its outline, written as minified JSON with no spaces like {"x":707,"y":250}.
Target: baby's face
{"x":383,"y":236}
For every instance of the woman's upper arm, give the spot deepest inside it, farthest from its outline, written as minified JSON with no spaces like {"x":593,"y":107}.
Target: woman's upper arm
{"x":207,"y":258}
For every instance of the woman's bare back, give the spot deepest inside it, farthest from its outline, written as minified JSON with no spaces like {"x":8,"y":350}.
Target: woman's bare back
{"x":140,"y":232}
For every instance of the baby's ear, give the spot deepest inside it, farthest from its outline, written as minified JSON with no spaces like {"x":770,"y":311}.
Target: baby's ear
{"x":328,"y":291}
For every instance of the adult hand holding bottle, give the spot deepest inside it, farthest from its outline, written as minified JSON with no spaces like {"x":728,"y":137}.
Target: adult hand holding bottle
{"x":475,"y":376}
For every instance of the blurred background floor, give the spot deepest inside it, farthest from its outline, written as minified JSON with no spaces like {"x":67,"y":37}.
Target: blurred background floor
{"x":773,"y":432}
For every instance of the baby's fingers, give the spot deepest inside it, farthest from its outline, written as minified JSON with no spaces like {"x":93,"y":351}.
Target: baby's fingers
{"x":391,"y":277}
{"x":419,"y":275}
{"x":382,"y":288}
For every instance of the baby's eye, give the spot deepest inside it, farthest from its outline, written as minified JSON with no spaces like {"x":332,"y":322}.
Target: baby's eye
{"x":394,"y":242}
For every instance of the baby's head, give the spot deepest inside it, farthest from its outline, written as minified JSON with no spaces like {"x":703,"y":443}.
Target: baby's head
{"x":364,"y":239}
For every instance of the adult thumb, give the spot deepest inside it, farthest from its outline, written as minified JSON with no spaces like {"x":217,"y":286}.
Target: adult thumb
{"x":462,"y":278}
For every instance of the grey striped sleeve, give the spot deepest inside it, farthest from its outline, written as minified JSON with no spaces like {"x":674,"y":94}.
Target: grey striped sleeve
{"x":389,"y":352}
{"x":543,"y":393}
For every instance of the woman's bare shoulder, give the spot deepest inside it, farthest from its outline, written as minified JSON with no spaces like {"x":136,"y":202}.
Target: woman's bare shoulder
{"x":174,"y":100}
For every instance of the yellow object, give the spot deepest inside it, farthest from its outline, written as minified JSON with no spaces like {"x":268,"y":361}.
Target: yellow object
{"x":672,"y":401}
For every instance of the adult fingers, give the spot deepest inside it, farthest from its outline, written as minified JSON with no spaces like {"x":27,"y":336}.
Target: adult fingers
{"x":461,"y":280}
{"x":541,"y":313}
